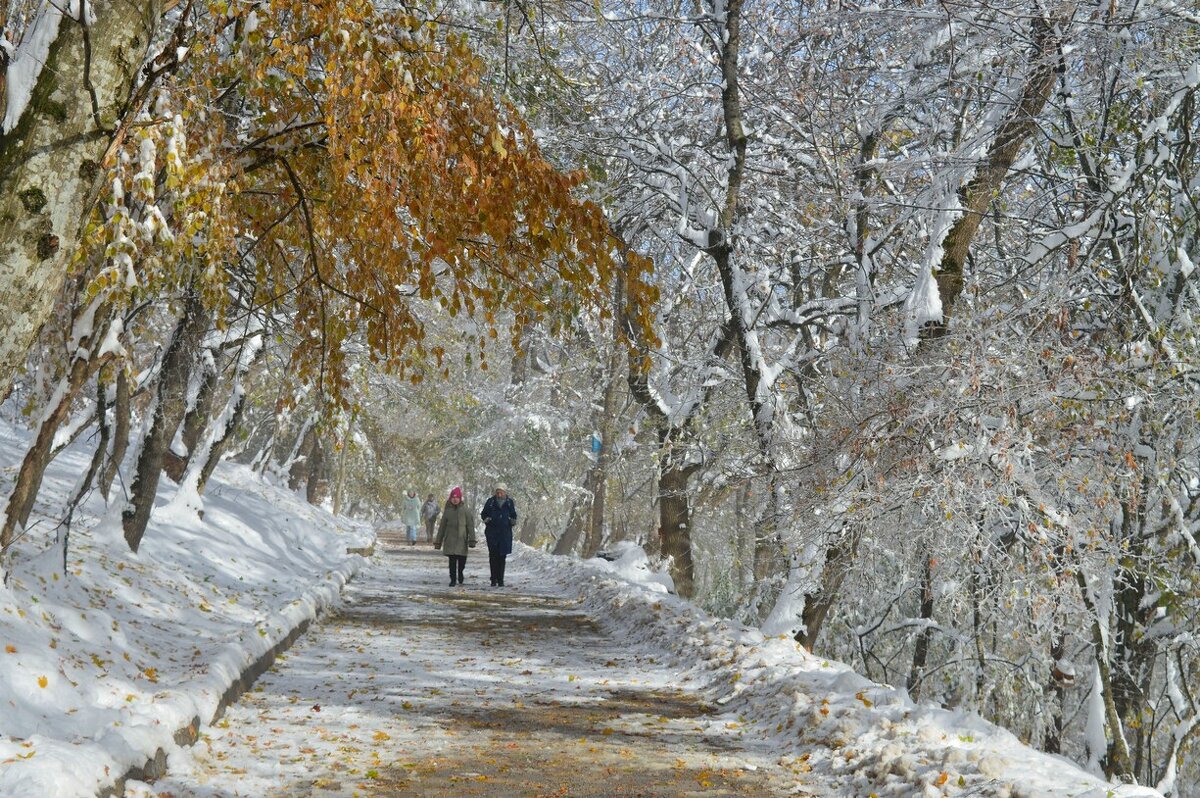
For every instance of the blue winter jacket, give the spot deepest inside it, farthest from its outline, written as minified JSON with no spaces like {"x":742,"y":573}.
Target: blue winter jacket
{"x":498,"y":517}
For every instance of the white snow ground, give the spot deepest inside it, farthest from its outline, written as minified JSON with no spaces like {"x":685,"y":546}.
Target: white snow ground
{"x":861,"y":737}
{"x":100,"y":665}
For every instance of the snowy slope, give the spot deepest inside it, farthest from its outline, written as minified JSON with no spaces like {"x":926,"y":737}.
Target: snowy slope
{"x":102,"y":664}
{"x":867,"y":738}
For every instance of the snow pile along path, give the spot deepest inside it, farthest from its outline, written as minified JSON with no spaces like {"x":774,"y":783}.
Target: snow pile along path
{"x":417,"y":689}
{"x":860,"y":737}
{"x":101,"y":664}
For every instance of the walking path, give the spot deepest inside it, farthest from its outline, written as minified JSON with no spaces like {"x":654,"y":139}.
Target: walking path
{"x":418,"y":689}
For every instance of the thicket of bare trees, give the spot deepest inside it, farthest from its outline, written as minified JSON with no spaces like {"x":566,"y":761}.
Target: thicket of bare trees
{"x":922,"y":386}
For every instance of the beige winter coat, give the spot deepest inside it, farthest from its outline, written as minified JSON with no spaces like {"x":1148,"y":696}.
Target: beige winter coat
{"x":456,"y":533}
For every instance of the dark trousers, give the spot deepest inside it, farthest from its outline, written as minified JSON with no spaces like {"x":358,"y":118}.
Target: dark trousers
{"x":496,"y":561}
{"x":457,"y":563}
{"x":429,"y":529}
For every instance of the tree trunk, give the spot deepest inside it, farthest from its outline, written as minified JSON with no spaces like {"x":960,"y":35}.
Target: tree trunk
{"x":1054,"y":732}
{"x":218,"y":445}
{"x":194,"y":422}
{"x":33,"y":466}
{"x":1116,"y":763}
{"x":598,"y":478}
{"x":120,"y":434}
{"x":921,"y":650}
{"x":769,"y":559}
{"x":675,"y":526}
{"x":529,"y":528}
{"x":838,"y":559}
{"x":51,"y":159}
{"x":339,"y":482}
{"x":595,"y":529}
{"x":101,"y":445}
{"x":977,"y":195}
{"x":573,"y":531}
{"x":317,"y":488}
{"x":167,"y":414}
{"x":299,"y":465}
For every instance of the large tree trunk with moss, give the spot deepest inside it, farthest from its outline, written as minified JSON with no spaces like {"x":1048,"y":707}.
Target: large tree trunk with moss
{"x":50,"y":155}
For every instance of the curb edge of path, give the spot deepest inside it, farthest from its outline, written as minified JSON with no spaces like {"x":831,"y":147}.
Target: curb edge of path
{"x":155,"y":767}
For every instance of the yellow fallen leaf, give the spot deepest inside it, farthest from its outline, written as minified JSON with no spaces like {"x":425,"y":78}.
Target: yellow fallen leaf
{"x":11,"y":649}
{"x":43,"y":681}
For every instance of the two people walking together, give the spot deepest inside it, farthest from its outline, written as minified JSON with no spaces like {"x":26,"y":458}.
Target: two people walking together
{"x":456,"y":533}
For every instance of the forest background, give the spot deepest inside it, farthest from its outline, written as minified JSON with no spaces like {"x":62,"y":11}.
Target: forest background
{"x":883,"y":316}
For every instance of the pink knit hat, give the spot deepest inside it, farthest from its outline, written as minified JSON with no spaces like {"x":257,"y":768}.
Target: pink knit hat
{"x":456,"y":492}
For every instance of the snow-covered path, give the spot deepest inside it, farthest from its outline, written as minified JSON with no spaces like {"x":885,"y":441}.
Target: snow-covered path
{"x":418,"y":689}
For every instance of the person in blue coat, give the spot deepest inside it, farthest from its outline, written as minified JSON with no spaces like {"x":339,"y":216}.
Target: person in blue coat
{"x":498,"y":515}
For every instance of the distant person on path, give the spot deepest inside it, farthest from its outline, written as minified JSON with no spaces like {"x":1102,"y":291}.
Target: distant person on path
{"x":455,"y":535}
{"x":410,"y":515}
{"x":498,"y":515}
{"x":429,"y":511}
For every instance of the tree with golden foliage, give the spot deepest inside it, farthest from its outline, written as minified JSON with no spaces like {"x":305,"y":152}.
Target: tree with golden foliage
{"x":343,"y":171}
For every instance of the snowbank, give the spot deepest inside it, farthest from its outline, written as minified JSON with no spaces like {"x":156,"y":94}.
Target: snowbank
{"x":103,"y":664}
{"x":868,"y":738}
{"x":629,"y":562}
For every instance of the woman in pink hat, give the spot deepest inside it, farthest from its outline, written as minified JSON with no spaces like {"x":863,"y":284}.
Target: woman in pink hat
{"x":456,"y":534}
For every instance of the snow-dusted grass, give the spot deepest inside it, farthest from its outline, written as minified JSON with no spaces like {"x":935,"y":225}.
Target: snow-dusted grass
{"x":868,"y":739}
{"x":102,"y":664}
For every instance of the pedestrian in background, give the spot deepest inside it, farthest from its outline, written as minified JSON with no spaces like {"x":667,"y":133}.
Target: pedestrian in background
{"x":498,"y":515}
{"x":429,"y":511}
{"x":410,"y":515}
{"x":456,"y":534}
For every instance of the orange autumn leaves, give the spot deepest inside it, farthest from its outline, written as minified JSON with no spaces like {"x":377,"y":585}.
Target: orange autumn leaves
{"x":381,"y":179}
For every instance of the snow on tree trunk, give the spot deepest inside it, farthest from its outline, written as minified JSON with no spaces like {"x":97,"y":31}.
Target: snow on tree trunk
{"x":977,"y":195}
{"x":208,"y":437}
{"x":195,"y":420}
{"x":120,"y":433}
{"x":165,"y":418}
{"x":85,"y":341}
